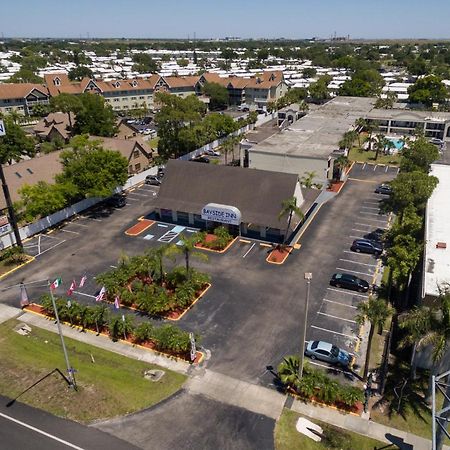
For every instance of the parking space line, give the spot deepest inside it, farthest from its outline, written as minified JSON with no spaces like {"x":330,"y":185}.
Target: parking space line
{"x":74,"y":222}
{"x":249,"y":250}
{"x":372,"y":202}
{"x":370,"y":207}
{"x":361,"y":231}
{"x":372,"y":214}
{"x":370,"y":225}
{"x":50,"y":248}
{"x":356,"y":262}
{"x":355,"y":271}
{"x":138,"y":194}
{"x":328,"y":367}
{"x":86,"y":295}
{"x":336,"y":317}
{"x":375,"y":220}
{"x":356,"y":237}
{"x":387,"y":168}
{"x":132,"y":199}
{"x":348,"y":293}
{"x":356,"y":253}
{"x":89,"y":218}
{"x":335,"y":332}
{"x":68,"y":231}
{"x":339,"y":303}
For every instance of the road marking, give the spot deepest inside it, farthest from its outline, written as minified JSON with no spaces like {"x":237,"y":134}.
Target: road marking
{"x":86,"y":295}
{"x":74,"y":222}
{"x":348,"y":293}
{"x":372,"y":214}
{"x":355,"y":271}
{"x":356,"y":253}
{"x":372,"y":202}
{"x":249,"y":250}
{"x":68,"y":231}
{"x":356,"y":262}
{"x":44,"y":433}
{"x":387,"y":168}
{"x":363,"y":181}
{"x":361,"y":231}
{"x":339,"y":303}
{"x":371,"y":225}
{"x":375,"y":167}
{"x":114,"y":267}
{"x":50,"y":248}
{"x":364,"y":166}
{"x":163,"y":225}
{"x":132,"y":199}
{"x":370,"y":207}
{"x":89,"y":218}
{"x":139,"y":194}
{"x":336,"y":317}
{"x":335,"y":332}
{"x":245,"y":241}
{"x":355,"y":237}
{"x":328,"y":367}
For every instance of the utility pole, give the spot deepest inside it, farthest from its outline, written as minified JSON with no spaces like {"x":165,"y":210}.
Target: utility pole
{"x":70,"y":376}
{"x":440,"y":418}
{"x":308,"y":278}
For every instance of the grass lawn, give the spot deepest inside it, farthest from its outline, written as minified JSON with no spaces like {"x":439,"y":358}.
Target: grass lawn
{"x":108,"y":384}
{"x":413,"y":415}
{"x":288,"y":438}
{"x":153,"y":142}
{"x":355,"y":154}
{"x":6,"y":266}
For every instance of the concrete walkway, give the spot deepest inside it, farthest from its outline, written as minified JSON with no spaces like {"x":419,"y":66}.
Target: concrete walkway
{"x":232,"y":391}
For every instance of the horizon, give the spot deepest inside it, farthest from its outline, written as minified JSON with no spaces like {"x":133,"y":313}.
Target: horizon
{"x":292,"y":20}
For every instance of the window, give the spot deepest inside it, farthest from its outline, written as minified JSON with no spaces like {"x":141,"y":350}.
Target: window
{"x":141,"y":97}
{"x":322,"y":352}
{"x":133,"y":98}
{"x":116,"y":99}
{"x":137,"y":167}
{"x":29,"y":170}
{"x":136,"y":154}
{"x":18,"y":174}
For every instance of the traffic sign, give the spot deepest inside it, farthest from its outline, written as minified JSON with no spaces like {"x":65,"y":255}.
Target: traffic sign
{"x":2,"y":128}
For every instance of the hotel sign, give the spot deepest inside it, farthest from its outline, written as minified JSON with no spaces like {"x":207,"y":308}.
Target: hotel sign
{"x":221,"y":213}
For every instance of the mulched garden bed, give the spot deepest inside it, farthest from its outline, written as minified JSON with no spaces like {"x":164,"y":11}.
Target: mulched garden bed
{"x":211,"y":238}
{"x":335,"y":186}
{"x":279,"y":255}
{"x":38,"y":309}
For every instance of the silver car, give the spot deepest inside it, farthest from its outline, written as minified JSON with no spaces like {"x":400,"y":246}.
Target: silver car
{"x":327,"y":352}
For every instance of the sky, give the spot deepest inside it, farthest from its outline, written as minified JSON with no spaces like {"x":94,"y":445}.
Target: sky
{"x":291,"y":19}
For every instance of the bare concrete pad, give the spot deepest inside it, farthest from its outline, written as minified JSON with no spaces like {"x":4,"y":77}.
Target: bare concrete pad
{"x":8,"y":312}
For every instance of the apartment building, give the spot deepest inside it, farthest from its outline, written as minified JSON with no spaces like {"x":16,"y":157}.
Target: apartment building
{"x":21,"y":97}
{"x":265,"y":88}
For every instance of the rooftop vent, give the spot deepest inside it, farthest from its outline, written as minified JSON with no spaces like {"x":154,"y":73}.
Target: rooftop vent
{"x":442,"y":245}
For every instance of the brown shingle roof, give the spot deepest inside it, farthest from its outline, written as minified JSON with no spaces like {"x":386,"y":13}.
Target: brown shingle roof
{"x":19,"y":90}
{"x":124,"y":146}
{"x":189,"y":81}
{"x":188,"y":186}
{"x":58,"y":120}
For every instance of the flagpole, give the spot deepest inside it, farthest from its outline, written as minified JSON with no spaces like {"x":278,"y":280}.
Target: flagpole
{"x":66,"y":357}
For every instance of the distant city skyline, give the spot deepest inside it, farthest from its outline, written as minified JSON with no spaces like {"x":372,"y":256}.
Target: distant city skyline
{"x":291,"y":19}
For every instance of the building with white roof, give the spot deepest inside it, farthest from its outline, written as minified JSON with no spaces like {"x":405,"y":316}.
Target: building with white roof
{"x":437,"y":235}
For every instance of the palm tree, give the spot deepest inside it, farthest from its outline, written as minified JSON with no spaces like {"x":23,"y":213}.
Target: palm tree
{"x":307,"y":179}
{"x":376,"y":312}
{"x":156,"y":261}
{"x":289,"y":208}
{"x":227,"y":147}
{"x":380,"y":144}
{"x":341,"y":163}
{"x":288,"y":371}
{"x":186,"y":247}
{"x":360,"y":124}
{"x":429,"y":325}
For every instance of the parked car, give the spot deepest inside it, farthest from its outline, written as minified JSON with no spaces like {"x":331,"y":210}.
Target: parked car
{"x":152,"y":180}
{"x":201,"y":159}
{"x":383,"y":189}
{"x":376,"y":236}
{"x":347,"y":281}
{"x":212,"y":153}
{"x":327,"y":352}
{"x":366,"y":246}
{"x":116,"y":201}
{"x":261,"y":111}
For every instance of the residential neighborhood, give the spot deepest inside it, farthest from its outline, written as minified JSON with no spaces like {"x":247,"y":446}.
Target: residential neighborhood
{"x":219,"y":242}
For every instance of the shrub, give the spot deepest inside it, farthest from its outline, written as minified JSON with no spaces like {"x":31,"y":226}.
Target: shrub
{"x":12,"y":255}
{"x":144,"y":332}
{"x":119,"y":328}
{"x":171,"y":338}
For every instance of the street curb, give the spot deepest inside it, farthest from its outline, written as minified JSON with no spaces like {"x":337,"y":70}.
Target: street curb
{"x":157,"y":352}
{"x":30,"y":259}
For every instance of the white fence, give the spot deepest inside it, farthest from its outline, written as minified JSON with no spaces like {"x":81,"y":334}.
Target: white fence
{"x":50,"y":221}
{"x":53,"y":219}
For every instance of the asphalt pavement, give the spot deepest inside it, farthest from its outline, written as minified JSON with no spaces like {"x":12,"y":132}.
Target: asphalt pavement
{"x":26,"y":428}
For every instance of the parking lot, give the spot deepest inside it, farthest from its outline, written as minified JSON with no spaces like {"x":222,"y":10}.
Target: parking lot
{"x":252,"y":316}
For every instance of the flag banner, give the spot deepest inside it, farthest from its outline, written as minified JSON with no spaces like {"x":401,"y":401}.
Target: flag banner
{"x":56,"y":283}
{"x":82,"y":281}
{"x":73,"y":285}
{"x":23,"y":296}
{"x":116,"y":303}
{"x":123,"y":318}
{"x":101,"y":294}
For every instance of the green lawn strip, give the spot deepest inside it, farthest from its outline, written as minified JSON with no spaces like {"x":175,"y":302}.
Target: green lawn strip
{"x":153,"y":142}
{"x":111,"y":386}
{"x":356,"y":154}
{"x":288,"y":438}
{"x":6,"y":266}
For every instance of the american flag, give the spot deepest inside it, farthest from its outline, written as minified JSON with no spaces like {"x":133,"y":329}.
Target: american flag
{"x":82,"y":281}
{"x":101,"y":294}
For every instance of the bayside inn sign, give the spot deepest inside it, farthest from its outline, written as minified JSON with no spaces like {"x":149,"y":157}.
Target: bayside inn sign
{"x":221,"y":213}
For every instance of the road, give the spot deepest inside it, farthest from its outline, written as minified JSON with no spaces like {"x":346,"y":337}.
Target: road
{"x":23,"y":427}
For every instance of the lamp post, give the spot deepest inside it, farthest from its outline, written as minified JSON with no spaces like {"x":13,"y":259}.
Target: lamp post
{"x":308,"y":278}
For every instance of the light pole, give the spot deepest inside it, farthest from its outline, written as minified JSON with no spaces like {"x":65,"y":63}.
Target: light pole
{"x":308,"y":278}
{"x":70,"y":375}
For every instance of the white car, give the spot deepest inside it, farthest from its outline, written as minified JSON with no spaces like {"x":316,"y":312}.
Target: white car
{"x":212,"y":153}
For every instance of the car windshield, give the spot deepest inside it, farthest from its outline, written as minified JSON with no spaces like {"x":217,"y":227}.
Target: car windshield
{"x":314,"y":345}
{"x":334,"y":351}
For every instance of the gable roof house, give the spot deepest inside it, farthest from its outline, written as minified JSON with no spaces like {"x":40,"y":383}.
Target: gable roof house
{"x":268,"y":87}
{"x":55,"y":125}
{"x":137,"y":152}
{"x":21,"y":97}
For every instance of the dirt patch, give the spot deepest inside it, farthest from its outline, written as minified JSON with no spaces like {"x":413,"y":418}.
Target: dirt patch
{"x":138,"y":228}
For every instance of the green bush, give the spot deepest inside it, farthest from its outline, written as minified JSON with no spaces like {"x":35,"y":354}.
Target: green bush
{"x":144,"y":332}
{"x":12,"y":255}
{"x":169,"y":337}
{"x":119,"y":328}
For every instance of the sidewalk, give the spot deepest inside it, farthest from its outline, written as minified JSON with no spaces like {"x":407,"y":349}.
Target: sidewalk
{"x":229,"y":390}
